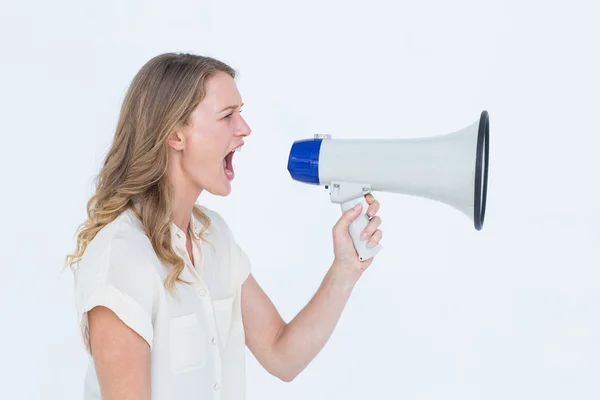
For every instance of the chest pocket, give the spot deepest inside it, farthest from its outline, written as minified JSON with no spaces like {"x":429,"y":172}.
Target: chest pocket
{"x":188,"y":348}
{"x":223,"y":310}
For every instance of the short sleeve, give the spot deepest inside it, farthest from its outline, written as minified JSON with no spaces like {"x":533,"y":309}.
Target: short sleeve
{"x":113,"y":275}
{"x":241,"y":262}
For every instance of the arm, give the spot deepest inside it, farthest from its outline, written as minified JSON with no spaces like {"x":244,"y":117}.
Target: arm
{"x":121,"y":357}
{"x":285,"y":349}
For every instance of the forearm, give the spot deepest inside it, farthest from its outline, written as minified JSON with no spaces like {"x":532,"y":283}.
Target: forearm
{"x":304,"y":337}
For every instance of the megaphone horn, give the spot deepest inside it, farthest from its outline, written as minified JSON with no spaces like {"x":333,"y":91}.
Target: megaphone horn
{"x":450,"y":168}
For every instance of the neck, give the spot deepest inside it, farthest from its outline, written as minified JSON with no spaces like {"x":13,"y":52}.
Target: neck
{"x":185,"y":196}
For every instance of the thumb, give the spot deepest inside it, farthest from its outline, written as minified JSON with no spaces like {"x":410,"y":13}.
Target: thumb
{"x":347,"y":218}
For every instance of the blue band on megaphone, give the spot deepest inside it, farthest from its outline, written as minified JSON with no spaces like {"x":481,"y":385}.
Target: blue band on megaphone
{"x":303,"y":162}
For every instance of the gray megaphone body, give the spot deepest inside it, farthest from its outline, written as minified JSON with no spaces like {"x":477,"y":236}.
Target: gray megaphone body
{"x":450,"y":168}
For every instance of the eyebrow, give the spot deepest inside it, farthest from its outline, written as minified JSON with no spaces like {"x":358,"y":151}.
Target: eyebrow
{"x":231,"y":107}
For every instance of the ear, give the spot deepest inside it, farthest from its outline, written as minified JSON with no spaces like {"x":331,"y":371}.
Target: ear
{"x":176,"y":140}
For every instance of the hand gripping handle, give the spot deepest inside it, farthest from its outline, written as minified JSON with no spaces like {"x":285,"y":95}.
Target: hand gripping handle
{"x":357,"y":226}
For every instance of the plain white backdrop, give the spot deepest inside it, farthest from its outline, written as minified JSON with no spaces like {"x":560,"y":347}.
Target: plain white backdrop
{"x":444,"y":312}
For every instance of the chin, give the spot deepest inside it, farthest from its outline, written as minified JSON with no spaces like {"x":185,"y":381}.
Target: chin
{"x":222,"y":189}
{"x":225,"y":192}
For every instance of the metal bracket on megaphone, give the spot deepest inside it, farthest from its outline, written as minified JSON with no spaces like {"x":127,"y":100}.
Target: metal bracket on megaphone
{"x":349,"y":194}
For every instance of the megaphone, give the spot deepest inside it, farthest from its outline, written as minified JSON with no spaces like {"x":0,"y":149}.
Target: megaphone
{"x":451,"y":168}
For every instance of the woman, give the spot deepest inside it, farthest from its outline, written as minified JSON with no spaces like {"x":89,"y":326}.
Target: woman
{"x":164,"y":294}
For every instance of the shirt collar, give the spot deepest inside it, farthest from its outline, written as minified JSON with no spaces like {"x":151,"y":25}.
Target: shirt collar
{"x":177,"y":235}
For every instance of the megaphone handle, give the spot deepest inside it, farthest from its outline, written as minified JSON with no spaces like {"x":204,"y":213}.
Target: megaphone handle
{"x":357,"y":226}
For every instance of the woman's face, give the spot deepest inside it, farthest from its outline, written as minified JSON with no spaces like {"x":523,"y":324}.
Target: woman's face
{"x":203,"y":148}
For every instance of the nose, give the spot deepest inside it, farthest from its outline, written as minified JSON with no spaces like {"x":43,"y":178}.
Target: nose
{"x":244,"y":128}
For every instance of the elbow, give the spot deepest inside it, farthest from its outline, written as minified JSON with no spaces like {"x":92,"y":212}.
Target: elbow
{"x":286,"y":376}
{"x":285,"y":373}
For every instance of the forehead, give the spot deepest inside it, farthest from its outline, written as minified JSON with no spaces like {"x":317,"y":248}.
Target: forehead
{"x":221,"y":91}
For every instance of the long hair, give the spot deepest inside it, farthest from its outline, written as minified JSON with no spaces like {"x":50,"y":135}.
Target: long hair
{"x":161,"y":97}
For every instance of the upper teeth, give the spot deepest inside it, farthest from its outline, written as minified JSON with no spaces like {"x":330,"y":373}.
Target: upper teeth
{"x":236,"y":149}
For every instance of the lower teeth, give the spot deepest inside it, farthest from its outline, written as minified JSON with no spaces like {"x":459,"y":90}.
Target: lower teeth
{"x":227,"y":171}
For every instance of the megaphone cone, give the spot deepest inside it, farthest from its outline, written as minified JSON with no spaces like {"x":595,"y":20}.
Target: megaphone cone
{"x":450,"y":168}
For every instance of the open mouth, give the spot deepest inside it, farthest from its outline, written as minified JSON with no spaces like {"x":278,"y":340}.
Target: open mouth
{"x":228,"y":165}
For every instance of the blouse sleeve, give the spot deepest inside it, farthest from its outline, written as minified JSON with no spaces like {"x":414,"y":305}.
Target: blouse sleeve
{"x":116,"y":278}
{"x":241,"y":262}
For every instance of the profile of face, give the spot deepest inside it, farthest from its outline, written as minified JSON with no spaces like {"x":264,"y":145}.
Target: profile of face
{"x":202,"y":151}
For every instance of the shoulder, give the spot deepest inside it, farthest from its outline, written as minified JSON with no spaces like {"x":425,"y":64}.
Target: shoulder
{"x":214,"y":216}
{"x":119,"y":251}
{"x":217,"y":222}
{"x":239,"y":258}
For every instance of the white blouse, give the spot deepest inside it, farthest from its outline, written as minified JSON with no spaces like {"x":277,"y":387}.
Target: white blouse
{"x":197,"y":340}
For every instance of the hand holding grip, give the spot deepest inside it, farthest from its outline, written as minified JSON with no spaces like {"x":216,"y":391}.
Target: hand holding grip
{"x":357,"y":226}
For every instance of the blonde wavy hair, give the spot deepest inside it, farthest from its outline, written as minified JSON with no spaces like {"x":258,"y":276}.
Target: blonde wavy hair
{"x":160,"y":98}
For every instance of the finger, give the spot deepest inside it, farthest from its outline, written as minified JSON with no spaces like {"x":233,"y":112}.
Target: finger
{"x":347,"y":218}
{"x":374,"y":240}
{"x":370,"y":198}
{"x":371,"y":228}
{"x":373,"y":208}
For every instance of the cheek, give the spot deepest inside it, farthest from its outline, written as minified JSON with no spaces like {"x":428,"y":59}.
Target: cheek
{"x":203,"y":158}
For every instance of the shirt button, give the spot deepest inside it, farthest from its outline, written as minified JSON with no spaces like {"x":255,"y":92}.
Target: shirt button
{"x":217,"y":386}
{"x":201,"y":292}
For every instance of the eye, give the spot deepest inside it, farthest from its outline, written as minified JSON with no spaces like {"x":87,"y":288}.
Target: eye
{"x":230,"y":114}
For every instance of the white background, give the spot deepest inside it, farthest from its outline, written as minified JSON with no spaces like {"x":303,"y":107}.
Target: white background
{"x":444,"y":312}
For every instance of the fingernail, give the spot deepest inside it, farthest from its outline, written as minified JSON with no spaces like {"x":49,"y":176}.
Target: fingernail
{"x":370,"y":244}
{"x":370,"y":212}
{"x":363,"y":236}
{"x":357,"y":207}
